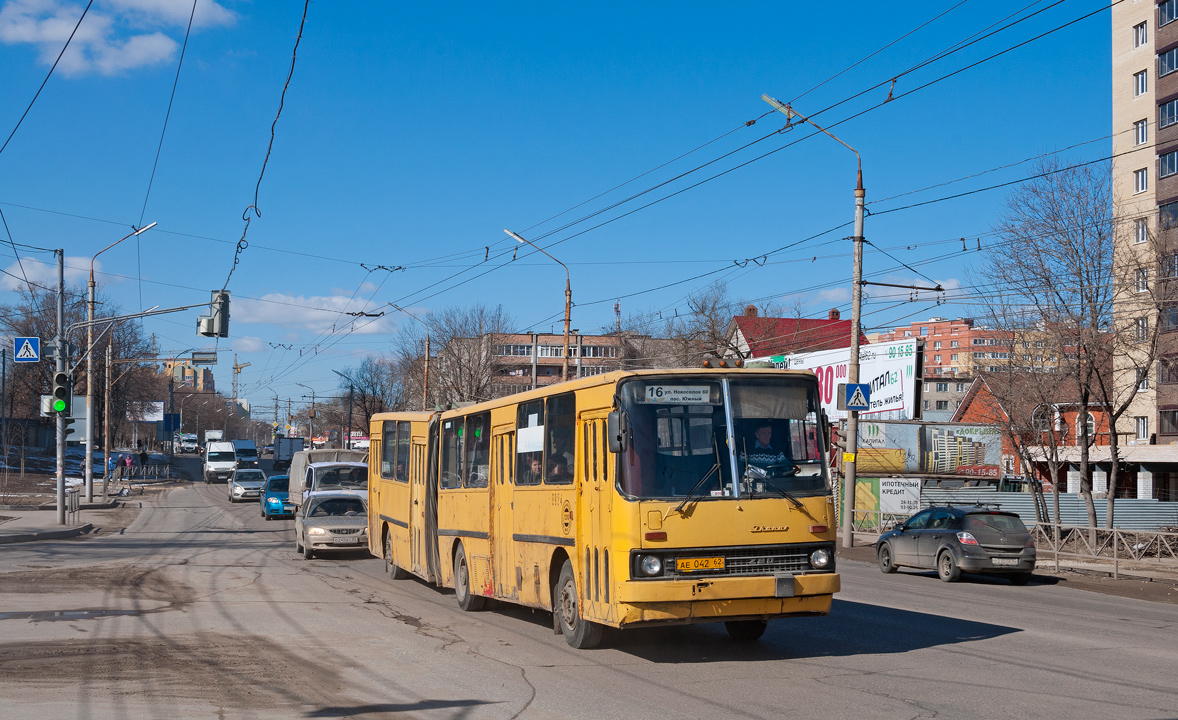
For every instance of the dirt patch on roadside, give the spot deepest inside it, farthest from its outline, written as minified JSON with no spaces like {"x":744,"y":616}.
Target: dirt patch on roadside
{"x":130,"y":581}
{"x":241,"y":672}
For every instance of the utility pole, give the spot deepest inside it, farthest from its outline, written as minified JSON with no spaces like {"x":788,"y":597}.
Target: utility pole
{"x":351,"y":391}
{"x":237,"y":371}
{"x":4,"y":402}
{"x":60,"y":345}
{"x":106,"y":423}
{"x":425,"y":380}
{"x":852,"y":440}
{"x":310,"y":413}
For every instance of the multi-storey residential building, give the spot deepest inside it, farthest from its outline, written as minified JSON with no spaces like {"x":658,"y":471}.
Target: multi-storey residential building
{"x":1145,"y":188}
{"x":523,"y":361}
{"x":956,"y":348}
{"x":942,"y":395}
{"x":184,"y":373}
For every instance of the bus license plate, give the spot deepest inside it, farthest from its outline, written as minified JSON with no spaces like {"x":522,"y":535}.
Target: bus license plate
{"x":696,"y":564}
{"x":1005,"y":561}
{"x":346,"y":540}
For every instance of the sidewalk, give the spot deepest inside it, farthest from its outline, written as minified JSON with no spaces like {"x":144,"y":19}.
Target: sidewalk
{"x":29,"y":525}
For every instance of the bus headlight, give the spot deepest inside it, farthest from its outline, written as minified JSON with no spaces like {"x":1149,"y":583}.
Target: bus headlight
{"x":820,"y":559}
{"x":651,"y":565}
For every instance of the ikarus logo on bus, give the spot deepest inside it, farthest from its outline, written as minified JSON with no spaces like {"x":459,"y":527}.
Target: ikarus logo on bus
{"x":890,"y":369}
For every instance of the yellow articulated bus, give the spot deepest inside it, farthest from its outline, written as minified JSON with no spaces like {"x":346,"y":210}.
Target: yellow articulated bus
{"x":622,"y":500}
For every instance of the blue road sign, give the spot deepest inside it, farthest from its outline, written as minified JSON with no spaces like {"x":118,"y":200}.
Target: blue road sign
{"x":26,"y":349}
{"x":858,"y":396}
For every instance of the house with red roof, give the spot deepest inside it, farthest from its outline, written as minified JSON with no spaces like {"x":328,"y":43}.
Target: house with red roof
{"x":752,"y":336}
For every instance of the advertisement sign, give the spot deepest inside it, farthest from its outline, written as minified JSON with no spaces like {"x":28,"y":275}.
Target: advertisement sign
{"x":890,"y":369}
{"x":148,"y":412}
{"x":899,"y":496}
{"x":930,"y":449}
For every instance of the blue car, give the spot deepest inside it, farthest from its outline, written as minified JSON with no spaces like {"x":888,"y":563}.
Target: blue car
{"x":275,"y":498}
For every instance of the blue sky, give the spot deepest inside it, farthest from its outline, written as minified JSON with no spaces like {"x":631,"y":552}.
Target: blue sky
{"x":413,"y":134}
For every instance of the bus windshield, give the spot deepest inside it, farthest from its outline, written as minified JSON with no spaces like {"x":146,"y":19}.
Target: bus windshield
{"x":677,"y":438}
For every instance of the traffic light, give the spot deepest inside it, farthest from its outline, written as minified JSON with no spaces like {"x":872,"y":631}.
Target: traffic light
{"x":62,"y":393}
{"x":216,"y":324}
{"x":68,"y":427}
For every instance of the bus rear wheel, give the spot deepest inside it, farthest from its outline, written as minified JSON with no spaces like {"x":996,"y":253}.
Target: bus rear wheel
{"x":578,"y":632}
{"x":466,"y":600}
{"x":746,"y":630}
{"x":395,"y":571}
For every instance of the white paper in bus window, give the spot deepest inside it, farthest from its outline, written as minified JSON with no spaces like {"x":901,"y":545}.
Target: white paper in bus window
{"x":533,"y":419}
{"x":529,"y":439}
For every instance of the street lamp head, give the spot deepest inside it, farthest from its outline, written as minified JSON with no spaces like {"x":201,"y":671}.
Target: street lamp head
{"x":778,"y":106}
{"x":144,"y":229}
{"x":517,"y":237}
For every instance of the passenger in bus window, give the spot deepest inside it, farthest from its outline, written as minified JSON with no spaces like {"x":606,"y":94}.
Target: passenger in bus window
{"x":534,"y":474}
{"x":558,"y":470}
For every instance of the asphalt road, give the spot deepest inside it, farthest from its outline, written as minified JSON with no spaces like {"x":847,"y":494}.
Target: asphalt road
{"x":202,"y":609}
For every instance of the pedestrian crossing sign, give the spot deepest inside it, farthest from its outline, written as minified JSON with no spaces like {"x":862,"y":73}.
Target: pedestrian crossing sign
{"x":26,"y":349}
{"x":858,"y":396}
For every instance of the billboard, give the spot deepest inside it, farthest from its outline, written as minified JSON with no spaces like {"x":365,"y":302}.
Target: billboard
{"x":929,"y":449}
{"x":892,"y":370}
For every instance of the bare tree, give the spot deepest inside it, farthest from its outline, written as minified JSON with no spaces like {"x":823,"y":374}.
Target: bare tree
{"x":462,"y":342}
{"x":374,"y":387}
{"x":1051,"y":277}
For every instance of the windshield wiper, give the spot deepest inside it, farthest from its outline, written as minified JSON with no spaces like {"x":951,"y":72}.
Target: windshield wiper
{"x":702,"y":480}
{"x":752,"y":472}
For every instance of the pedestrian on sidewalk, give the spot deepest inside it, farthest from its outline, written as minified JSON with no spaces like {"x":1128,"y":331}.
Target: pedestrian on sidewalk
{"x":143,"y":462}
{"x":129,"y":461}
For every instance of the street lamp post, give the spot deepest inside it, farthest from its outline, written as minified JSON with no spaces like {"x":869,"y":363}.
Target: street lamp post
{"x":89,"y":472}
{"x":568,"y":300}
{"x":351,"y":390}
{"x":852,"y":439}
{"x":425,"y":380}
{"x":311,"y":415}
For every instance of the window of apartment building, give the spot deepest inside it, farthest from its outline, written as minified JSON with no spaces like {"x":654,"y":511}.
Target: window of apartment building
{"x":994,"y":368}
{"x":1141,"y":280}
{"x":979,"y":341}
{"x":1167,"y":319}
{"x":942,"y":387}
{"x":952,"y":343}
{"x":1167,"y":62}
{"x":1167,"y":12}
{"x":599,"y":351}
{"x":937,"y":345}
{"x":1140,"y":180}
{"x":1141,"y":329}
{"x":514,"y":350}
{"x":942,"y":404}
{"x":1167,"y":423}
{"x":1167,"y":114}
{"x":1139,"y":35}
{"x":552,"y":351}
{"x":960,"y":387}
{"x":1140,"y":132}
{"x":1141,"y":377}
{"x":926,"y":404}
{"x":1168,"y":164}
{"x":1168,"y":215}
{"x":923,"y":331}
{"x":1169,"y":266}
{"x":907,"y":333}
{"x":937,"y":358}
{"x":953,"y":357}
{"x":1140,"y":230}
{"x":1141,"y":424}
{"x":928,"y":387}
{"x":1140,"y":83}
{"x":1000,"y":355}
{"x":979,"y":356}
{"x":1168,"y":370}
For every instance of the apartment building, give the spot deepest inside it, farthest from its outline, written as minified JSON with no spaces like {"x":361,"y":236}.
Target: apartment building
{"x":522,"y":361}
{"x":185,"y":374}
{"x":956,"y":348}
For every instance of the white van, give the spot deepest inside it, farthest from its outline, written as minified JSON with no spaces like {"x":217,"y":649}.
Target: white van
{"x":220,"y":461}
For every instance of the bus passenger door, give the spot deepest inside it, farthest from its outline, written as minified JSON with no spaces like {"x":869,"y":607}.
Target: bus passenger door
{"x":418,"y":479}
{"x":594,"y":529}
{"x":505,"y":568}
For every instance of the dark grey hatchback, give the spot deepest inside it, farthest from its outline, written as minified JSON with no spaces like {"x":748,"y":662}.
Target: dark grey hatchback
{"x":952,"y":540}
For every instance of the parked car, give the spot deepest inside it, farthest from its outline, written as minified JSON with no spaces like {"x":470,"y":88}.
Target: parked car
{"x":275,"y":498}
{"x":952,"y":540}
{"x":246,"y":484}
{"x":329,"y":521}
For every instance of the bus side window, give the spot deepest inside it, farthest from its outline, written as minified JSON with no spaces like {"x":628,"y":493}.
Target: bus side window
{"x":404,"y":443}
{"x":388,"y":449}
{"x":561,"y":439}
{"x":451,"y":454}
{"x":529,"y":438}
{"x":477,"y":437}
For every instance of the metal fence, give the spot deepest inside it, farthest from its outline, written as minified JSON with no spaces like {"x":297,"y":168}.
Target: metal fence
{"x":1154,"y":549}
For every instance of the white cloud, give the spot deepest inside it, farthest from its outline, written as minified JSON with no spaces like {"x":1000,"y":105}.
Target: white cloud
{"x":833,"y":295}
{"x":41,"y":273}
{"x":248,"y":344}
{"x":120,"y":35}
{"x":315,"y":314}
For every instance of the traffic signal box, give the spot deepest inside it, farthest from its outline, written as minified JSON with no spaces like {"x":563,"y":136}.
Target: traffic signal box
{"x":62,"y":393}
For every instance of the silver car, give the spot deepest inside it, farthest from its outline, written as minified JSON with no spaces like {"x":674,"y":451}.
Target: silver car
{"x":246,"y":484}
{"x":328,"y":522}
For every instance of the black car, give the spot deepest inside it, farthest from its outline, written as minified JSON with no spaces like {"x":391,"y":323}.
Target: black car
{"x":952,"y":540}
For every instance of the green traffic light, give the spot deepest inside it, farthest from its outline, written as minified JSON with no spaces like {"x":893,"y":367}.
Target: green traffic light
{"x":59,"y":406}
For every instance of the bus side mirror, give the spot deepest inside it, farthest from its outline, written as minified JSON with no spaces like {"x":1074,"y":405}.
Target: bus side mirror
{"x":615,"y":428}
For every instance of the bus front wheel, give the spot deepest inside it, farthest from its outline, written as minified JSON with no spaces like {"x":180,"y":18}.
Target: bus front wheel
{"x":578,"y":632}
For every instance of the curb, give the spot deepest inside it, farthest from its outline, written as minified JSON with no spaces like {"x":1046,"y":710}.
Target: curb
{"x":47,"y":534}
{"x":113,"y":502}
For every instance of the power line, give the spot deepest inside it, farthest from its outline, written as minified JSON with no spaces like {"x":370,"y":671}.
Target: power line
{"x":47,"y":76}
{"x":17,"y":254}
{"x":159,"y":148}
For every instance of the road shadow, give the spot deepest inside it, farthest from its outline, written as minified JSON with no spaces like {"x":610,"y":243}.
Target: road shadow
{"x":981,"y":578}
{"x":852,"y":628}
